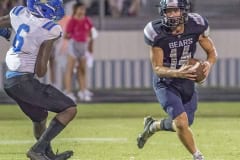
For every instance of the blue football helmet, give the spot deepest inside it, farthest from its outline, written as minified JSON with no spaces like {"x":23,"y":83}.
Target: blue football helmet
{"x":51,"y":9}
{"x":173,"y":22}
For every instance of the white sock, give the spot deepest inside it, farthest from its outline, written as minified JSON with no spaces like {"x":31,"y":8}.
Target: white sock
{"x":155,"y":126}
{"x":197,"y":153}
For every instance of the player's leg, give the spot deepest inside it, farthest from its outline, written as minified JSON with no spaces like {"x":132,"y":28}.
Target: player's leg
{"x":38,"y":130}
{"x":161,"y":91}
{"x":39,"y":114}
{"x":43,"y":98}
{"x":184,"y":132}
{"x":57,"y":102}
{"x":39,"y":120}
{"x":39,"y":123}
{"x":190,"y":108}
{"x":172,"y":104}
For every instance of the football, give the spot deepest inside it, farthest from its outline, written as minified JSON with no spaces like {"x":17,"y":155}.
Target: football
{"x":198,"y":66}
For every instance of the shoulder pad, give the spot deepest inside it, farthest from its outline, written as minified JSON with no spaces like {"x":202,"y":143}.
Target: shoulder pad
{"x":16,"y":10}
{"x":49,"y":25}
{"x":198,"y":19}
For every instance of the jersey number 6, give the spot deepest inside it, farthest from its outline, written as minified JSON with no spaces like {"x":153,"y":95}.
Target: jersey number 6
{"x":19,"y":38}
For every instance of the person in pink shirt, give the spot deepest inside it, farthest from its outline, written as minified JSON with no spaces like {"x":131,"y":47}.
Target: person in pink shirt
{"x":78,"y":30}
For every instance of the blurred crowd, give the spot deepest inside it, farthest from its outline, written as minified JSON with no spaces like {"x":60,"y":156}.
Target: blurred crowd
{"x":115,"y":8}
{"x":6,"y":5}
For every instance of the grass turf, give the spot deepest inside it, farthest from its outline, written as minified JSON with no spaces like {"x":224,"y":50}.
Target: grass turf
{"x":109,"y":131}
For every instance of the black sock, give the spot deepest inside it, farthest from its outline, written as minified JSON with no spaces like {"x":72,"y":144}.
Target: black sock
{"x":54,"y":128}
{"x":166,"y":125}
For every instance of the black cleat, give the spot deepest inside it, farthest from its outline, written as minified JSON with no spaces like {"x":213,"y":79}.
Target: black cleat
{"x":143,"y":137}
{"x":58,"y":156}
{"x":64,"y":155}
{"x":36,"y":156}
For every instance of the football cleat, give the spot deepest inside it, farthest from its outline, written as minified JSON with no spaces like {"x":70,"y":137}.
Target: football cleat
{"x":59,"y":156}
{"x":199,"y":157}
{"x":143,"y":137}
{"x":36,"y":156}
{"x":64,"y":155}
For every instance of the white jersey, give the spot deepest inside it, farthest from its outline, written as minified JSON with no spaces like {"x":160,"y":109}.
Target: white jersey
{"x":31,"y":31}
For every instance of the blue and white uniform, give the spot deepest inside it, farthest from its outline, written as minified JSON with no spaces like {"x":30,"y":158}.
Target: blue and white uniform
{"x":34,"y":98}
{"x":31,"y":32}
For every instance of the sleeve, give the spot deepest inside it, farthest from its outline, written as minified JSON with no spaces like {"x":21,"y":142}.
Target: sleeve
{"x":16,"y":10}
{"x":70,"y":26}
{"x":202,"y":24}
{"x":90,"y":23}
{"x":52,"y":30}
{"x":150,"y":34}
{"x":56,"y":32}
{"x":206,"y":30}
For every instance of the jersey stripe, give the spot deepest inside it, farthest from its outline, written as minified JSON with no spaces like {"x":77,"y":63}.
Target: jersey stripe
{"x":197,"y":18}
{"x":49,"y":25}
{"x":11,"y":74}
{"x":17,"y":10}
{"x":149,"y":32}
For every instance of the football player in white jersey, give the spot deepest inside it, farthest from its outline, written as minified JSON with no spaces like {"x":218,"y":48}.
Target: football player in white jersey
{"x":28,"y":56}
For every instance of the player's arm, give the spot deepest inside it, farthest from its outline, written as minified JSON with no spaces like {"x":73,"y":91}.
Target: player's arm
{"x":156,"y":56}
{"x":208,"y":46}
{"x":43,"y":57}
{"x":5,"y":21}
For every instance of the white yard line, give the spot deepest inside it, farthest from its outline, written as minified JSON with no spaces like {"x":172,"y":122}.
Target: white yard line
{"x":60,"y":140}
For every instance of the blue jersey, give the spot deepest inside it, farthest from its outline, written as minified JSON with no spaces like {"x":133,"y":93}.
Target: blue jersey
{"x":5,"y":32}
{"x":177,"y":48}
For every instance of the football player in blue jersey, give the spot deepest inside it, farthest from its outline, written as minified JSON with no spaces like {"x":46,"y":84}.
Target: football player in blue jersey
{"x":172,"y":40}
{"x":36,"y":31}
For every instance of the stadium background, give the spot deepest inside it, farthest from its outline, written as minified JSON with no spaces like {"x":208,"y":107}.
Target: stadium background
{"x":122,"y":58}
{"x":122,"y":73}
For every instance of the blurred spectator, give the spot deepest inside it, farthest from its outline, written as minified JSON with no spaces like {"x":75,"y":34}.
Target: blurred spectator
{"x":79,"y":32}
{"x":7,"y":5}
{"x":58,"y":60}
{"x":134,"y":7}
{"x":124,"y":7}
{"x":116,"y":7}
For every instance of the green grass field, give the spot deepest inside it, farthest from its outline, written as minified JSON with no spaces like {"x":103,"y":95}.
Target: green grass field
{"x":109,"y":131}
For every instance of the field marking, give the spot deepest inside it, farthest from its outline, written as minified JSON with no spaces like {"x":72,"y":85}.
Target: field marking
{"x":60,"y":140}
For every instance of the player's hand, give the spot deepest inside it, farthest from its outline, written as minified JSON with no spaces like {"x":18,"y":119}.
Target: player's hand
{"x":207,"y":68}
{"x":186,"y":72}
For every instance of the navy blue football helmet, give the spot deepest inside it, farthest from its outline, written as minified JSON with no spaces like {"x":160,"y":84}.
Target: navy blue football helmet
{"x":173,"y":22}
{"x":51,"y":9}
